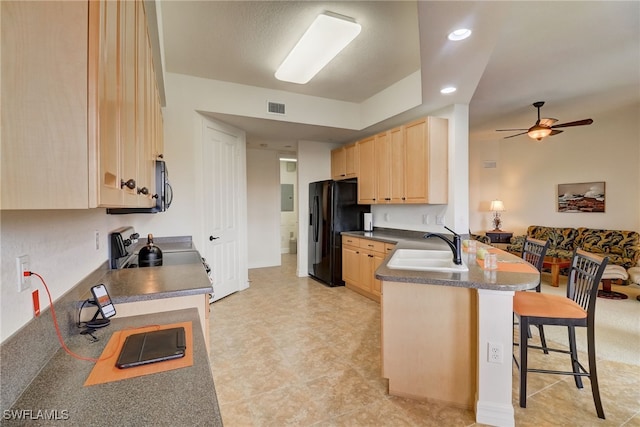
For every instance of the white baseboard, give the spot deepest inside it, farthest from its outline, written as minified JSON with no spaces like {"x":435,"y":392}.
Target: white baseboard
{"x":494,"y":414}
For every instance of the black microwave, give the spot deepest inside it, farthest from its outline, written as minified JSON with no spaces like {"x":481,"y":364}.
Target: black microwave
{"x":163,"y":195}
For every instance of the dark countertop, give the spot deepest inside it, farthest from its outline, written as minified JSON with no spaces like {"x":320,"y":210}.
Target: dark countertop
{"x":476,"y":277}
{"x":183,"y":396}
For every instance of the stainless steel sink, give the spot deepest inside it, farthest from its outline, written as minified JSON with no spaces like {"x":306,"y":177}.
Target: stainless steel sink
{"x":425,"y":260}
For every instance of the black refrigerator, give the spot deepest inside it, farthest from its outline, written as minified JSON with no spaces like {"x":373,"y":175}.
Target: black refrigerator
{"x":333,"y":208}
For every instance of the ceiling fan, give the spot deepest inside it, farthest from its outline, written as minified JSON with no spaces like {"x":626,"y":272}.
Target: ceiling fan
{"x":544,"y":127}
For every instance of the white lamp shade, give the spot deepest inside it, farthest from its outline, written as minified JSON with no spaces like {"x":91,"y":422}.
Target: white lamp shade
{"x":322,"y":41}
{"x":497,"y":206}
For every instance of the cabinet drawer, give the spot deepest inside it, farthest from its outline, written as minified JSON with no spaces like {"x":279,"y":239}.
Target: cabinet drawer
{"x":372,"y":245}
{"x":350,"y":241}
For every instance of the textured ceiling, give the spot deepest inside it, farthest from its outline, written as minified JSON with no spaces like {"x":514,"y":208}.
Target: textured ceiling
{"x":245,"y":42}
{"x":581,"y":57}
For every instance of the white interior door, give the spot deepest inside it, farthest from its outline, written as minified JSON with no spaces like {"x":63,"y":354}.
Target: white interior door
{"x":221,"y":210}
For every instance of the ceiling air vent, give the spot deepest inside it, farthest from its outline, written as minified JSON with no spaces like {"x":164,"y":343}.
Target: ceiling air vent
{"x":490,"y":164}
{"x":275,"y":108}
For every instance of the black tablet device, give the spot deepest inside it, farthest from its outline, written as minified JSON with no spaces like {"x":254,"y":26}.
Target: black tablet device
{"x":151,"y":347}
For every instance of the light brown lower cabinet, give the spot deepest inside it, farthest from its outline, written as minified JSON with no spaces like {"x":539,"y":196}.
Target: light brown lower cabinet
{"x":360,"y":260}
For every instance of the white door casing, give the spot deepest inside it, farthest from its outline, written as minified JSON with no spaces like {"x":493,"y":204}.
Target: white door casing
{"x":222,"y":209}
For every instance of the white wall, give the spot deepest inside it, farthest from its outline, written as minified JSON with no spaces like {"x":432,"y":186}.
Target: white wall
{"x":528,"y":172}
{"x":289,"y":220}
{"x":61,"y":246}
{"x":263,"y":208}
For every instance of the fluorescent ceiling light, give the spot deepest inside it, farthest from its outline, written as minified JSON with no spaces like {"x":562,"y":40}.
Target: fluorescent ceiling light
{"x":448,"y":89}
{"x":284,"y":159}
{"x":322,"y":41}
{"x":459,"y":34}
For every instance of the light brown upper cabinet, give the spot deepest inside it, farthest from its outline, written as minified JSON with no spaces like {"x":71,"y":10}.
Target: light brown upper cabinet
{"x":383,"y":167}
{"x":344,"y":162}
{"x":407,"y":164}
{"x":71,"y":105}
{"x":366,"y":171}
{"x":397,"y":150}
{"x":426,"y":161}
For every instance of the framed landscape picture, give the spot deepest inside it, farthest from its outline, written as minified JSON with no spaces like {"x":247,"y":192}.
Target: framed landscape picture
{"x":581,"y":197}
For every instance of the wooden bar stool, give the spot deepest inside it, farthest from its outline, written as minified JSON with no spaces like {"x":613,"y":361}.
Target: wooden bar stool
{"x":576,"y":309}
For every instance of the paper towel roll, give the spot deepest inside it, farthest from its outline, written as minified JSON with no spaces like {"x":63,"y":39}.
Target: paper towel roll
{"x":368,"y":222}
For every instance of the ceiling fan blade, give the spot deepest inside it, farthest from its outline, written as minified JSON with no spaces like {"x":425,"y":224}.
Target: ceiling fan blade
{"x":576,"y":123}
{"x":555,"y":132}
{"x":517,"y":134}
{"x":509,"y":130}
{"x":548,"y":122}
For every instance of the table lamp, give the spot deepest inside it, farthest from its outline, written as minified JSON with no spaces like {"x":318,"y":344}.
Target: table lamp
{"x":496,"y":207}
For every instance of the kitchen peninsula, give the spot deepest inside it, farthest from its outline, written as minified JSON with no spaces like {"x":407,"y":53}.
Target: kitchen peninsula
{"x":437,"y":329}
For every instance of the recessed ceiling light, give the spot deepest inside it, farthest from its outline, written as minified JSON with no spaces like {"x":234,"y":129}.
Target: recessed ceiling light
{"x":448,"y":89}
{"x":459,"y":34}
{"x":325,"y":38}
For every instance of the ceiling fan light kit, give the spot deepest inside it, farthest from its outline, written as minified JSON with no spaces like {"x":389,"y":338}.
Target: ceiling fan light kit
{"x":538,"y":132}
{"x":324,"y":40}
{"x":545,"y":126}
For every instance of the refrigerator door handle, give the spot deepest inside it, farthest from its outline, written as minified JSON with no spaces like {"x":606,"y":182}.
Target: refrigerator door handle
{"x":315,"y":219}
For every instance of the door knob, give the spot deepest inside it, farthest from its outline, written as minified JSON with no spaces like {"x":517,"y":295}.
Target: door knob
{"x":211,"y":238}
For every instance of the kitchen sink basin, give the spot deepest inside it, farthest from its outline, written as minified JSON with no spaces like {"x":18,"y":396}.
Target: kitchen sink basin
{"x":425,"y":260}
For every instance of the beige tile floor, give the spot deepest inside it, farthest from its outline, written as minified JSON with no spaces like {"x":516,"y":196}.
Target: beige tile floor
{"x":290,"y":351}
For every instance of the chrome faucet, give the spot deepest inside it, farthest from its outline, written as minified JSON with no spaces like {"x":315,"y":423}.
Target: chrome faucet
{"x":454,"y":245}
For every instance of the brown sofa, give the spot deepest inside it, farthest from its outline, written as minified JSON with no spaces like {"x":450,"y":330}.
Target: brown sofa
{"x":622,"y":247}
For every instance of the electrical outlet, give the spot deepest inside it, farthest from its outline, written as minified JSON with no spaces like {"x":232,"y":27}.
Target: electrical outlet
{"x":97,"y":237}
{"x":440,"y":219}
{"x":386,"y":217}
{"x":22,"y":265}
{"x":494,"y":354}
{"x":425,"y":219}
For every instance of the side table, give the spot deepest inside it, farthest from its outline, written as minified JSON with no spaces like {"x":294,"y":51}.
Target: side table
{"x":499,"y":236}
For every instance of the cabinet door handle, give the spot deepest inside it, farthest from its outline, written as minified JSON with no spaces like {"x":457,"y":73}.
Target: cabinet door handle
{"x":130,"y":184}
{"x":370,"y":256}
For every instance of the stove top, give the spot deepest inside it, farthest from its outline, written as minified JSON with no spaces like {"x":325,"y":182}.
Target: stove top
{"x":169,"y":258}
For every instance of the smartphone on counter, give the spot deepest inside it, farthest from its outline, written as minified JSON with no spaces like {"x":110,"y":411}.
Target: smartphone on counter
{"x":103,"y":301}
